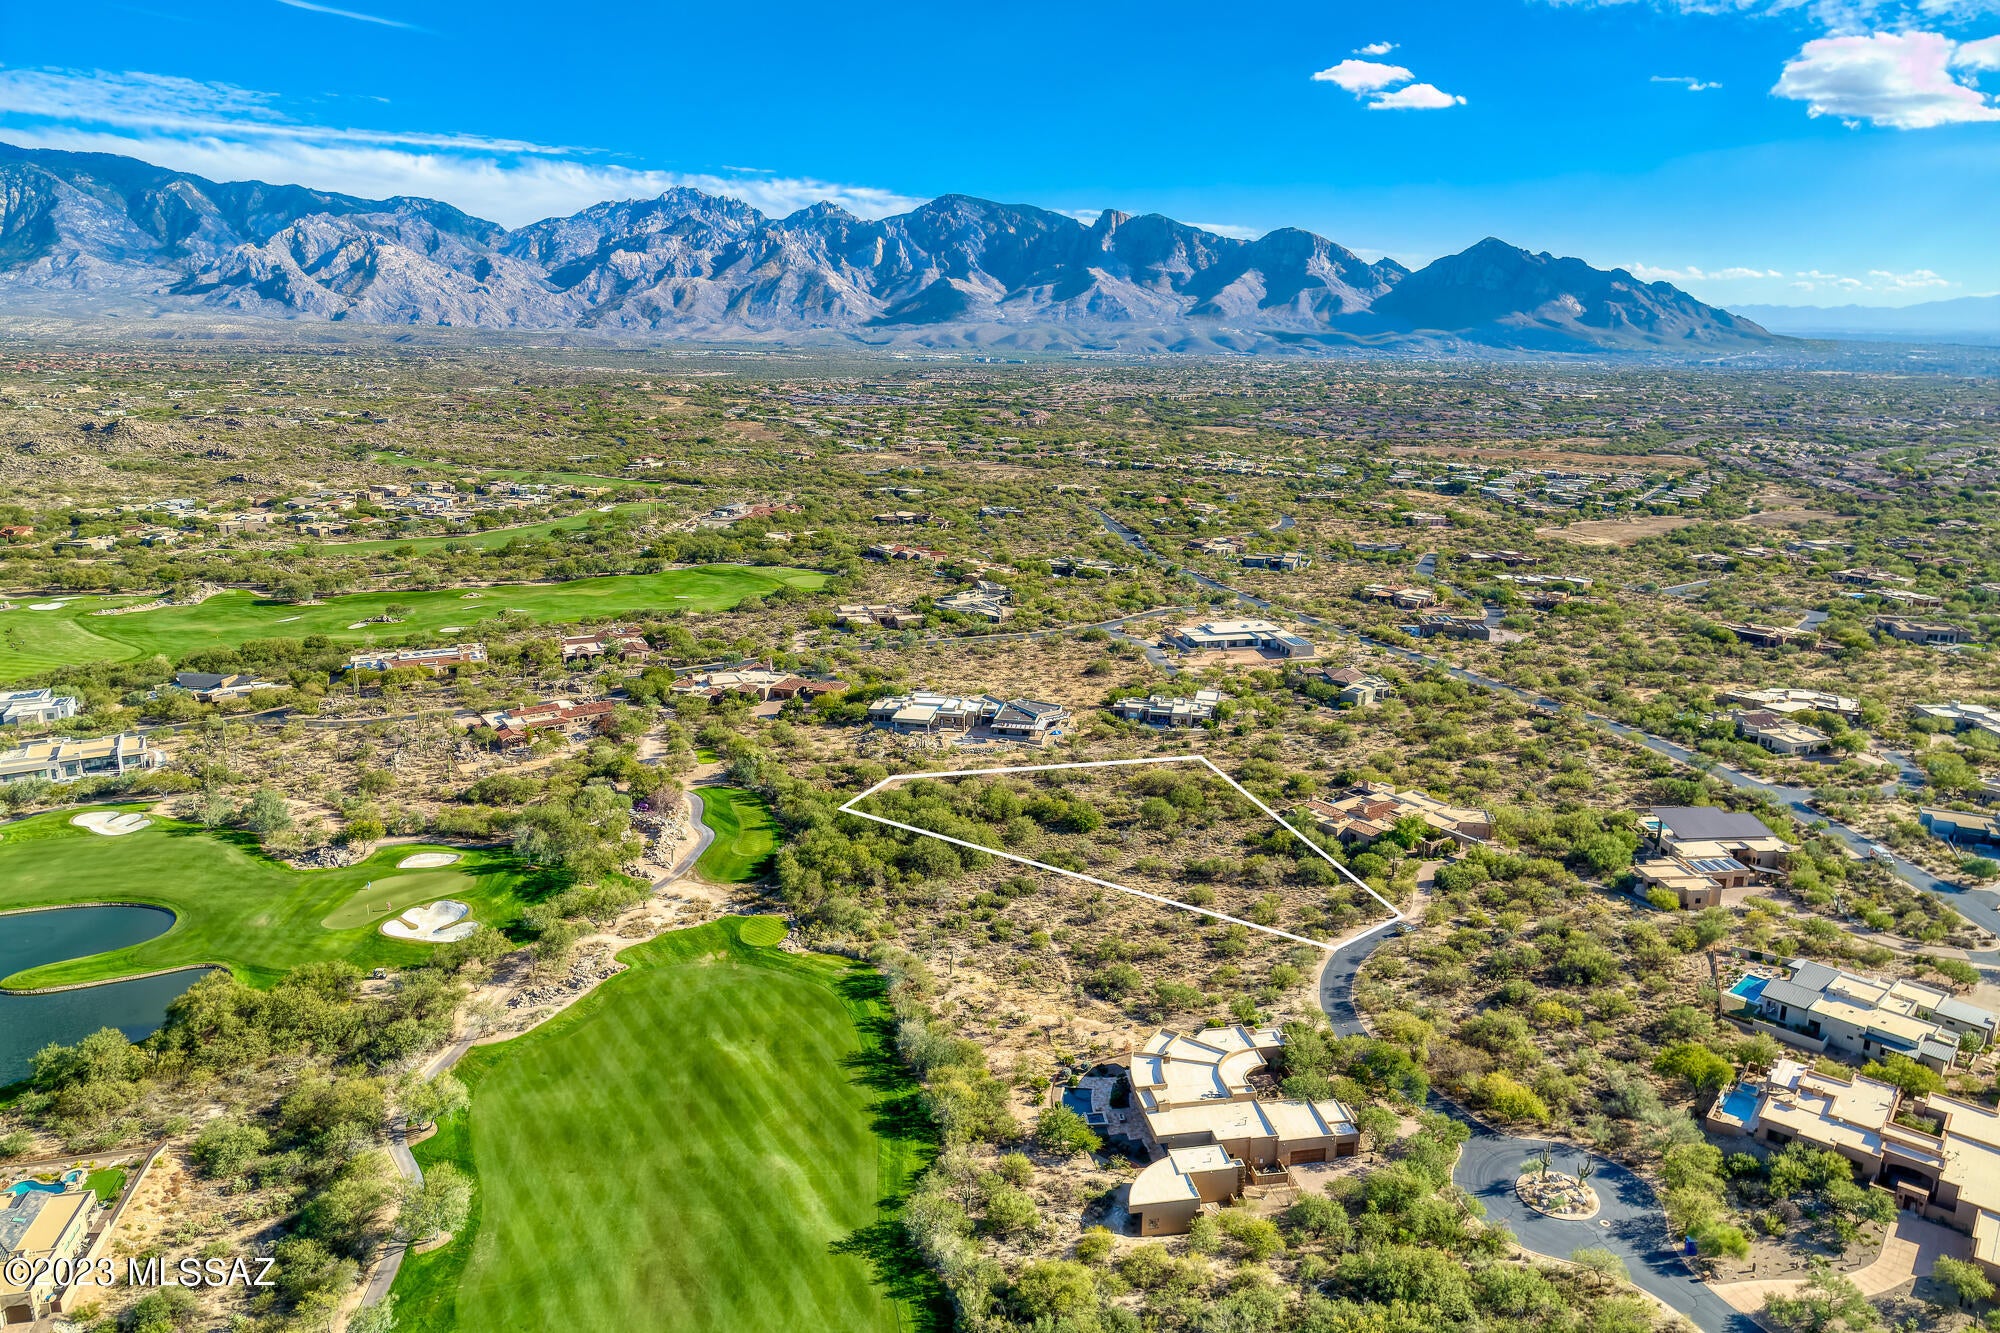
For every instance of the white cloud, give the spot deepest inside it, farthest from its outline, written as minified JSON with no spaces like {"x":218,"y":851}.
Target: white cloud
{"x":1693,"y":85}
{"x":1229,"y":229}
{"x":1416,"y":97}
{"x":1736,"y":273}
{"x":1375,"y":49}
{"x":1386,"y":87}
{"x":1982,"y":54}
{"x":230,"y":133}
{"x":1878,"y":280}
{"x":1916,"y":280}
{"x":1361,"y":76}
{"x":1899,"y":79}
{"x":349,"y":14}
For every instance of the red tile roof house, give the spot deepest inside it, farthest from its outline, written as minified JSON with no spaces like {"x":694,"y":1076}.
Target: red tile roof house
{"x":621,"y":641}
{"x":517,"y":726}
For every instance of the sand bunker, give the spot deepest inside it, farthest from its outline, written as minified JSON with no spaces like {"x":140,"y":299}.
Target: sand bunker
{"x":47,"y":606}
{"x":426,"y":860}
{"x":440,"y":922}
{"x":111,"y":823}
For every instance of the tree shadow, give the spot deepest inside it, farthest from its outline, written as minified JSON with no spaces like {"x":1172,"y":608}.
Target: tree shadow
{"x":900,"y":1271}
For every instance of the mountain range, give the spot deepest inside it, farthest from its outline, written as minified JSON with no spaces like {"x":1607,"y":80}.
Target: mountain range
{"x":1963,"y":319}
{"x":82,"y":232}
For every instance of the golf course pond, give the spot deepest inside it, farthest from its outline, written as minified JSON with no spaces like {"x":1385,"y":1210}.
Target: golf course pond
{"x":135,"y":1007}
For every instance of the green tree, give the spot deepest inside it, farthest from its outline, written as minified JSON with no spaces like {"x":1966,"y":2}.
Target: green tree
{"x":1914,"y":1079}
{"x":1604,"y":1267}
{"x":1061,"y":1132}
{"x":1966,"y":1280}
{"x":436,"y":1204}
{"x":426,"y":1101}
{"x":266,"y":813}
{"x":1054,"y":1288}
{"x":1696,"y":1065}
{"x":1827,"y":1303}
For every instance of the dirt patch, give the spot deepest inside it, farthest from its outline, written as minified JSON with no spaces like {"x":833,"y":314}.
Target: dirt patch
{"x":1616,"y":531}
{"x":1792,"y":518}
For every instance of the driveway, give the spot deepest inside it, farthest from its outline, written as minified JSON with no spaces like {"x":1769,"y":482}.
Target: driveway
{"x":1629,"y":1223}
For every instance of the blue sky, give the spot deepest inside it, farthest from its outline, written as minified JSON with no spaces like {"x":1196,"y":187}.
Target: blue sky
{"x":1795,"y":151}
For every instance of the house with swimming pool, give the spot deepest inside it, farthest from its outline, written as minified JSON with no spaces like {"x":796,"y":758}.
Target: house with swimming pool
{"x":39,"y":1221}
{"x":1829,"y":1011}
{"x":1938,"y":1156}
{"x":1216,"y":1127}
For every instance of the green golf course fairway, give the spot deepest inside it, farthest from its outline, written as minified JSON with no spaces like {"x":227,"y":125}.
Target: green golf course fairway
{"x":32,"y":641}
{"x":232,"y":905}
{"x":746,"y":837}
{"x":397,"y":894}
{"x":713,"y":1141}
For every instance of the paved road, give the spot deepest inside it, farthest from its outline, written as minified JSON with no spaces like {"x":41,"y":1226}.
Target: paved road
{"x":1629,"y":1222}
{"x":1284,"y":522}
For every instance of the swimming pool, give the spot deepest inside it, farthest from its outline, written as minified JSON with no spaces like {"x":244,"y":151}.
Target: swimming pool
{"x":1741,"y":1103}
{"x":20,"y":1187}
{"x":1750,"y":988}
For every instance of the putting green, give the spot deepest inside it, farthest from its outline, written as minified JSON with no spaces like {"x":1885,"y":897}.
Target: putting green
{"x":396,"y":894}
{"x":32,"y":641}
{"x":232,"y":905}
{"x":746,"y":837}
{"x":762,"y":931}
{"x":716,"y":1140}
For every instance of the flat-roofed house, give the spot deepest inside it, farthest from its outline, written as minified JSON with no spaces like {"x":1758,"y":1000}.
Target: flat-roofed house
{"x":1938,"y":1156}
{"x":1962,"y":716}
{"x":35,"y":707}
{"x":1961,"y":826}
{"x":1157,"y":710}
{"x":1696,"y":829}
{"x":1371,"y":810}
{"x":1923,"y":631}
{"x":69,"y":760}
{"x":1229,"y":635}
{"x":1028,"y":720}
{"x":1779,"y":734}
{"x":1213,"y":1134}
{"x":213,"y":687}
{"x":1867,"y":1018}
{"x":1788,"y":701}
{"x":437,"y":661}
{"x":1358,"y":689}
{"x":44,"y":1230}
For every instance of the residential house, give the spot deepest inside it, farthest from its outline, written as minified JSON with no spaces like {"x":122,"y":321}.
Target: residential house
{"x":869,"y":616}
{"x":69,"y":760}
{"x":1699,"y":852}
{"x":1920,"y":631}
{"x":1213,"y":1135}
{"x":35,"y":707}
{"x":14,"y":532}
{"x":1769,"y":636}
{"x":1464,"y":627}
{"x":1408,"y":599}
{"x":1962,"y":716}
{"x":213,"y":687}
{"x":42,"y":1234}
{"x":984,"y":600}
{"x":1789,"y":701}
{"x":1358,"y":689}
{"x":1864,"y":1018}
{"x":624,"y":642}
{"x":903,"y":518}
{"x":756,"y":680}
{"x":1157,"y":710}
{"x":1000,"y":511}
{"x":1419,"y":518}
{"x":1227,"y":635}
{"x":1960,"y":827}
{"x":1370,"y":810}
{"x":901,"y":551}
{"x":437,"y":661}
{"x":1287,"y":561}
{"x":1779,"y":734}
{"x":1869,"y":578}
{"x":516,"y":726}
{"x":1511,"y":559}
{"x":927,"y":713}
{"x":102,"y":543}
{"x":1216,"y":546}
{"x":1064,"y":566}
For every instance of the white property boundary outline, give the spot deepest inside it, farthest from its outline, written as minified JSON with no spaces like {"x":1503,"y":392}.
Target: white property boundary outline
{"x":1394,"y":915}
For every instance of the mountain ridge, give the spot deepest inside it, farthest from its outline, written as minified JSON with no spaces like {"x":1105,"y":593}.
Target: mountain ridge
{"x":87,"y":230}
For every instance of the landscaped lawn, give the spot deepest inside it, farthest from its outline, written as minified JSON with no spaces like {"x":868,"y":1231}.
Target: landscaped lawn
{"x":713,"y":1141}
{"x":32,"y":641}
{"x":232,"y":905}
{"x":746,"y":837}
